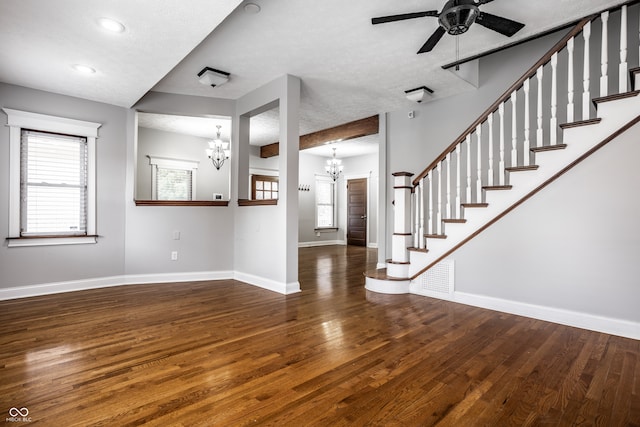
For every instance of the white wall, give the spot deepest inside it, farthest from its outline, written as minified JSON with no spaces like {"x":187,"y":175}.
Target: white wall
{"x":46,"y":264}
{"x":206,"y":232}
{"x":574,"y":246}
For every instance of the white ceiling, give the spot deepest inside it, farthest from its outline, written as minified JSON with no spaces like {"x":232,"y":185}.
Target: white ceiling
{"x":349,"y":68}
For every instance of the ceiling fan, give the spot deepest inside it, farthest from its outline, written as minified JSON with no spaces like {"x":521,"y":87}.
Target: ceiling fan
{"x":456,"y":18}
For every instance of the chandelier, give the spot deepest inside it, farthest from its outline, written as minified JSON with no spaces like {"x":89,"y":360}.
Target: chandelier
{"x":218,"y":150}
{"x":334,"y":167}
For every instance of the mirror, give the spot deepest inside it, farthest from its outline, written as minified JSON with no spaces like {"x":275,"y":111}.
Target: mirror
{"x":172,"y":163}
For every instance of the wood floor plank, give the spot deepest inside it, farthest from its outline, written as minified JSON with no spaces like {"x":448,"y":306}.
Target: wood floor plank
{"x":226,"y":353}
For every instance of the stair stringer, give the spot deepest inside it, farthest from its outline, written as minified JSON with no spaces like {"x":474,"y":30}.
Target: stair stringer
{"x":616,"y":116}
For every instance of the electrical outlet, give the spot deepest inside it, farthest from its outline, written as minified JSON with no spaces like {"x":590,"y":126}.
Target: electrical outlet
{"x":176,"y":235}
{"x":174,"y":256}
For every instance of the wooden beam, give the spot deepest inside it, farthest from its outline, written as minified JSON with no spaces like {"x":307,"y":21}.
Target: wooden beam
{"x":355,"y":129}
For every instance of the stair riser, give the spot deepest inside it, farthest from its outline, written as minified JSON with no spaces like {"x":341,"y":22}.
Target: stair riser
{"x":398,"y":270}
{"x":387,"y":286}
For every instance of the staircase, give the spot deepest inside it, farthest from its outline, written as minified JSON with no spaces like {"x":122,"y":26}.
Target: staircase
{"x":513,"y":150}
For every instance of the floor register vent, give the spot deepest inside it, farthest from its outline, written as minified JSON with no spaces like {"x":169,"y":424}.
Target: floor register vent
{"x":439,"y":279}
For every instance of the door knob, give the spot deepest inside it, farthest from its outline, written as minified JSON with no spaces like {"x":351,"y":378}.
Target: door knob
{"x":363,"y":217}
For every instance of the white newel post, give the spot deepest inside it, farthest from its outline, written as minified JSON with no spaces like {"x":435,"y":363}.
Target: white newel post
{"x":402,"y":236}
{"x":623,"y":67}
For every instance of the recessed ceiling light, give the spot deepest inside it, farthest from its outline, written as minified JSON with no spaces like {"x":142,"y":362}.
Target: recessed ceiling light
{"x":111,"y":25}
{"x":84,"y":69}
{"x":251,"y":8}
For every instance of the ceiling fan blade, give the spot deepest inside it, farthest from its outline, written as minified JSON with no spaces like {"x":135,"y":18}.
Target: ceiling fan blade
{"x":402,"y":17}
{"x":433,"y":40}
{"x":502,"y":25}
{"x":484,"y":1}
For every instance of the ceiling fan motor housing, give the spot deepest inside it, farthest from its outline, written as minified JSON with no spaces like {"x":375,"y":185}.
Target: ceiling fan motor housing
{"x":458,"y":15}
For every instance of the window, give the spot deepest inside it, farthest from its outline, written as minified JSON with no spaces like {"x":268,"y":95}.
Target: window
{"x":325,"y":202}
{"x":173,"y":179}
{"x":264,"y":187}
{"x":53,"y":184}
{"x":51,"y":179}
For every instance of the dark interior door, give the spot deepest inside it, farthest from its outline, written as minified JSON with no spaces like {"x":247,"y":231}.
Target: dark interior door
{"x":357,"y":212}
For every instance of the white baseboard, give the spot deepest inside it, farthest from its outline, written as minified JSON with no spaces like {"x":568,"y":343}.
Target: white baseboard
{"x":321,"y":243}
{"x":592,"y":322}
{"x":271,"y":285}
{"x":372,"y":245}
{"x":106,"y":282}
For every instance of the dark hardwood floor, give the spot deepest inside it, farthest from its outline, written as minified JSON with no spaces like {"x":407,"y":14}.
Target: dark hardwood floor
{"x":225,"y":353}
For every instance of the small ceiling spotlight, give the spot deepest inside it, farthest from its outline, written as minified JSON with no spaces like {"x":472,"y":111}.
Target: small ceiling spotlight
{"x":418,"y":94}
{"x":212,"y":77}
{"x":84,"y":69}
{"x":111,"y":25}
{"x":251,"y":8}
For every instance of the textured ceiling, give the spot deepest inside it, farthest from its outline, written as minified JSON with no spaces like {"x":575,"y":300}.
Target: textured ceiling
{"x":349,"y":68}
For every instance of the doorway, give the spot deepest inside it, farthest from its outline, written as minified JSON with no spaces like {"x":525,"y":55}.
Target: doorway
{"x":357,"y":212}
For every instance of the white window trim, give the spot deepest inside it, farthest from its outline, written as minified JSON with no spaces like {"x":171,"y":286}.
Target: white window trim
{"x":18,"y":120}
{"x":170,"y":163}
{"x":326,"y":178}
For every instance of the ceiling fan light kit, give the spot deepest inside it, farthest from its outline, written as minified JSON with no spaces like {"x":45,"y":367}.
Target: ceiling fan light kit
{"x":212,"y":77}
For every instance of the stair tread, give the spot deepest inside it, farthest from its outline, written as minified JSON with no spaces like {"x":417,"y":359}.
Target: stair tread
{"x":580,"y":123}
{"x":436,"y":236}
{"x":615,"y":96}
{"x":475,"y":205}
{"x":381,"y":274}
{"x":454,"y":221}
{"x":497,"y":187}
{"x":549,"y":148}
{"x":412,"y":249}
{"x":397,"y":262}
{"x":522,"y":168}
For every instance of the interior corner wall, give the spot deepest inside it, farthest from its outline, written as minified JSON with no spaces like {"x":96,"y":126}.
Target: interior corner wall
{"x":205,"y":244}
{"x":28,"y":266}
{"x":266,"y":237}
{"x":573,"y":246}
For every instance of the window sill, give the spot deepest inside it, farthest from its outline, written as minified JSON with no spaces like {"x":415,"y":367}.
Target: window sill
{"x":326,"y":229}
{"x":182,"y":202}
{"x":266,"y":202}
{"x":18,"y":242}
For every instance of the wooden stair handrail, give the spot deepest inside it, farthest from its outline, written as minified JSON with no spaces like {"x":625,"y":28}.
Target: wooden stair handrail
{"x":514,"y":87}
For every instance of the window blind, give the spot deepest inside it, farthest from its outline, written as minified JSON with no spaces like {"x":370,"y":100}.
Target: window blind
{"x":53,"y":184}
{"x":174,"y":184}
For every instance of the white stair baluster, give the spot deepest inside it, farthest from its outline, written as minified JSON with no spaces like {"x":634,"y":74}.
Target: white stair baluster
{"x":514,"y":129}
{"x":448,"y":202}
{"x":586,"y":95}
{"x":421,"y":213}
{"x":468,"y":194}
{"x":553,"y":123}
{"x":501,"y":163}
{"x":527,"y":123}
{"x":479,"y":165}
{"x":439,"y":204}
{"x":570,"y":84}
{"x":539,"y":133}
{"x":622,"y":68}
{"x":457,"y":213}
{"x":604,"y":55}
{"x":430,"y":202}
{"x":416,"y":216}
{"x":490,"y":170}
